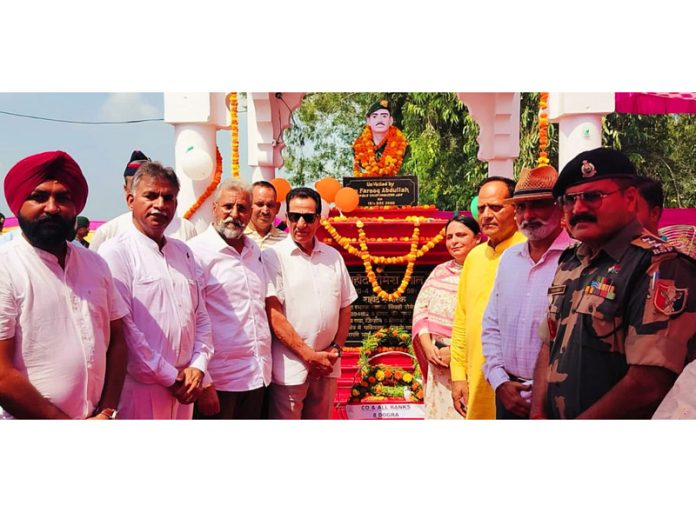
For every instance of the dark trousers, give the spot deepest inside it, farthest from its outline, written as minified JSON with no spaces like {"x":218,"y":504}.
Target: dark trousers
{"x":501,"y":413}
{"x":236,"y":405}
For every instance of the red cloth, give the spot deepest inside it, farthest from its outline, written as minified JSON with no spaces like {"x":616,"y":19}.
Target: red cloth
{"x":29,"y":173}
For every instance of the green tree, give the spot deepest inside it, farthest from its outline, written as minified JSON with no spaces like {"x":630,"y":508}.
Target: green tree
{"x":443,"y":148}
{"x":662,"y":147}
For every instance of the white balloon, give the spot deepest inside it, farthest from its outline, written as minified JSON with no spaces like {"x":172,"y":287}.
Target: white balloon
{"x":325,"y":208}
{"x":282,"y":211}
{"x":197,"y":164}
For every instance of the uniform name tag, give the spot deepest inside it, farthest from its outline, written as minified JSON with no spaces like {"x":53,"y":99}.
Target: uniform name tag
{"x":557,"y":290}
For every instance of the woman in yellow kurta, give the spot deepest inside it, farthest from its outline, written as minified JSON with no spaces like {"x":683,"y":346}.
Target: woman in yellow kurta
{"x":475,"y":285}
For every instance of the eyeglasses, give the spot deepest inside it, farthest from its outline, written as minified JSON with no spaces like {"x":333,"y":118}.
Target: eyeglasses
{"x":592,"y":198}
{"x":309,"y":218}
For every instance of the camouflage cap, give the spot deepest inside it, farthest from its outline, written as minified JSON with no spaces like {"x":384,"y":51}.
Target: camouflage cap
{"x":534,"y":184}
{"x":593,"y":165}
{"x":379,"y":105}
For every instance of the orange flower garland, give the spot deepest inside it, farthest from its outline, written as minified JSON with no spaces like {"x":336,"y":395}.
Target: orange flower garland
{"x":543,"y":129}
{"x":234,"y":132}
{"x":211,"y":188}
{"x":345,"y":242}
{"x":372,"y":278}
{"x":366,"y":163}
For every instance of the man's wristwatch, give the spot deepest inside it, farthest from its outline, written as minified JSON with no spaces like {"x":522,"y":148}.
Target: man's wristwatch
{"x":109,"y":413}
{"x":337,"y":347}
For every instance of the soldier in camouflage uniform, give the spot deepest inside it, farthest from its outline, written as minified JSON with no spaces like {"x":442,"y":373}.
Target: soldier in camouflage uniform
{"x":621,"y":323}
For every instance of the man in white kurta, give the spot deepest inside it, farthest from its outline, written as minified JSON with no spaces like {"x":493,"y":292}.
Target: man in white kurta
{"x":62,"y":353}
{"x":59,"y":319}
{"x":235,"y":288}
{"x":315,"y":290}
{"x":167,"y":328}
{"x":179,"y":228}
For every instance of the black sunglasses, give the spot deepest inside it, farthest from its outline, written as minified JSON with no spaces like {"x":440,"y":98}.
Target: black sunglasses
{"x":592,"y":198}
{"x":309,"y":218}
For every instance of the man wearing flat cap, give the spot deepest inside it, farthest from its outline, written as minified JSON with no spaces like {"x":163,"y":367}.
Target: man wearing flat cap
{"x":622,"y":310}
{"x":381,"y":148}
{"x":62,"y":352}
{"x":179,"y":228}
{"x":518,"y":301}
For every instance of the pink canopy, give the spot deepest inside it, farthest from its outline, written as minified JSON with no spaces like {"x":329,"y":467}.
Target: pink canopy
{"x":655,"y":102}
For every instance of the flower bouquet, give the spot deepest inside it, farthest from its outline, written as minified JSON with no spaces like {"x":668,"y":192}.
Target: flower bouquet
{"x":383,"y":382}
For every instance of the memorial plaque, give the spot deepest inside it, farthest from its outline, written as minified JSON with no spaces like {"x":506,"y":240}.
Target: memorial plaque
{"x":385,"y":191}
{"x":370,"y":313}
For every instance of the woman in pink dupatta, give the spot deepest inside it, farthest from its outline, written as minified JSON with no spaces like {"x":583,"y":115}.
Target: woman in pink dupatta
{"x":433,"y":314}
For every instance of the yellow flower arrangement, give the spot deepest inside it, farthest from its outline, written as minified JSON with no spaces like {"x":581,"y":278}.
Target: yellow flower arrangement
{"x":543,"y":129}
{"x":399,"y":385}
{"x":366,"y":162}
{"x":232,"y":104}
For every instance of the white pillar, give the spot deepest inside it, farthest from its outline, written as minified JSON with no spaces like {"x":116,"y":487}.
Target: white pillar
{"x":579,"y":118}
{"x":196,"y":118}
{"x":498,"y":117}
{"x":268,"y":115}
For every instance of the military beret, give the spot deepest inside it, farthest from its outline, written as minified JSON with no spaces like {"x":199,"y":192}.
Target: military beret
{"x":593,"y":165}
{"x":82,"y":222}
{"x":379,"y":105}
{"x":137,"y":159}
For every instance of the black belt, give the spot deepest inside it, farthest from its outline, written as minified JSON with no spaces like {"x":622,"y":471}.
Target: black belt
{"x":515,"y":378}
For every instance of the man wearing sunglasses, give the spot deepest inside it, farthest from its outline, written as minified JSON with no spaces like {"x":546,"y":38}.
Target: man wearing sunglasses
{"x":620,"y":318}
{"x":314,"y":292}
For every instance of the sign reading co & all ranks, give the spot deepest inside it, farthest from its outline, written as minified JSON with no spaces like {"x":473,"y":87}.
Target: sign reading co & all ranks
{"x":385,"y":191}
{"x":370,"y":313}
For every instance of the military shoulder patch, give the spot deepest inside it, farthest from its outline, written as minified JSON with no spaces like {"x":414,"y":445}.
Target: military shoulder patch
{"x":668,"y":299}
{"x":653,"y":244}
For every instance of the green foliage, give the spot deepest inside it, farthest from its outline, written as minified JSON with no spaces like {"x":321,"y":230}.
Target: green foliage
{"x":662,"y":147}
{"x":443,"y":148}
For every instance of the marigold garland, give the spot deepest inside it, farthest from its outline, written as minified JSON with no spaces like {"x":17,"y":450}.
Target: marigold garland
{"x":366,"y":162}
{"x":234,"y":132}
{"x":345,"y":242}
{"x":543,"y":129}
{"x":211,"y":188}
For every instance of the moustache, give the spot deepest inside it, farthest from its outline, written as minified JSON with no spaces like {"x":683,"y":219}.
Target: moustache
{"x":531,"y":224}
{"x":235,"y":222}
{"x":580,"y":217}
{"x":50,"y":219}
{"x":53,"y":221}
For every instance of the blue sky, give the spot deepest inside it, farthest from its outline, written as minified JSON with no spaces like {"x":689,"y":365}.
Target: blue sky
{"x":101,"y":150}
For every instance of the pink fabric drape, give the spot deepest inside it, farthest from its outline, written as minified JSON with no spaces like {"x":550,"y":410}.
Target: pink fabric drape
{"x":655,"y":102}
